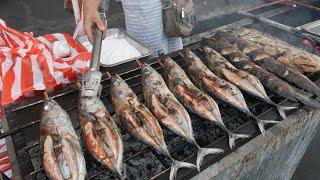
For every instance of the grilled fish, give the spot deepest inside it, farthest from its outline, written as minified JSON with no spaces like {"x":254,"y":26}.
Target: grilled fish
{"x":285,"y":53}
{"x":260,"y":57}
{"x":242,"y":79}
{"x":193,"y":98}
{"x":269,"y":80}
{"x":217,"y":87}
{"x":62,"y":154}
{"x":99,"y":132}
{"x":140,"y":121}
{"x":168,"y":110}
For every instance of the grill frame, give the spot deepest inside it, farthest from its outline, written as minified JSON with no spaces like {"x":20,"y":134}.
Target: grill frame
{"x":12,"y":110}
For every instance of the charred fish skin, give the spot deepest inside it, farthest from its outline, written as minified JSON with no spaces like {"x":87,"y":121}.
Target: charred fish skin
{"x":62,"y":153}
{"x":99,"y":132}
{"x":224,"y":69}
{"x":162,"y":103}
{"x":242,"y":79}
{"x":193,"y":98}
{"x":209,"y":82}
{"x":269,"y":80}
{"x":188,"y":94}
{"x":168,"y":110}
{"x":140,"y":121}
{"x":285,"y":53}
{"x":263,"y":59}
{"x":222,"y":89}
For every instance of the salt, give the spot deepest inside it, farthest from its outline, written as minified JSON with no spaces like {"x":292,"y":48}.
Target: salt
{"x":115,"y":50}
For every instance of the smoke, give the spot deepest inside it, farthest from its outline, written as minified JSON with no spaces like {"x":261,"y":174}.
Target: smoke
{"x":215,"y":8}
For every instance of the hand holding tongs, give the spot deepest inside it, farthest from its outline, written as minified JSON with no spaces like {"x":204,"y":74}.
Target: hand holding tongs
{"x":96,"y":50}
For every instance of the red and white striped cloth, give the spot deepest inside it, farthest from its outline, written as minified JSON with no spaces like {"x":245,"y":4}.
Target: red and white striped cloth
{"x":5,"y":166}
{"x":27,"y":65}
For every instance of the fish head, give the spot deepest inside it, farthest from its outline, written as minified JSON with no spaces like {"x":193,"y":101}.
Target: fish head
{"x":151,"y":78}
{"x":53,"y":114}
{"x":188,"y":57}
{"x":207,"y":50}
{"x":118,"y":83}
{"x":225,"y":35}
{"x":147,"y":72}
{"x":207,"y":41}
{"x":90,"y":83}
{"x":188,"y":54}
{"x":172,"y":72}
{"x":121,"y":93}
{"x":50,"y":105}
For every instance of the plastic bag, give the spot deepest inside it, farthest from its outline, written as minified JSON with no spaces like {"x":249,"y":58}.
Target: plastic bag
{"x":27,"y":64}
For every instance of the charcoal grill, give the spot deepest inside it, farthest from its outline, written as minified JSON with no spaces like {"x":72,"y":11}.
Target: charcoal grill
{"x":21,"y":123}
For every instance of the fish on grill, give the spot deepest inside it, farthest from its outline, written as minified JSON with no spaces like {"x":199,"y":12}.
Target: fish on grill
{"x":99,"y":132}
{"x":168,"y":110}
{"x":193,"y":98}
{"x":260,"y":57}
{"x":269,"y":80}
{"x":217,"y":87}
{"x":61,"y":150}
{"x":242,"y":79}
{"x":140,"y":122}
{"x":285,"y":53}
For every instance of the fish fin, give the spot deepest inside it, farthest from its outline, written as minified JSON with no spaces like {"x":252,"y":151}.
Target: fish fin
{"x":282,"y":110}
{"x":202,"y":152}
{"x":261,"y":124}
{"x":233,"y":137}
{"x":176,"y":165}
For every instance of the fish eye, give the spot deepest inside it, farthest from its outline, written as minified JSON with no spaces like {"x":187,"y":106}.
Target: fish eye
{"x":190,"y":55}
{"x":46,"y":107}
{"x":147,"y":72}
{"x":117,"y":82}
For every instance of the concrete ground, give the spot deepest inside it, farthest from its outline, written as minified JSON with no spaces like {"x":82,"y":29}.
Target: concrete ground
{"x":45,"y":16}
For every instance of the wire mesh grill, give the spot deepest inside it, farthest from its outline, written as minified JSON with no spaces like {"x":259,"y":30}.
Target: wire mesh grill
{"x":140,"y":161}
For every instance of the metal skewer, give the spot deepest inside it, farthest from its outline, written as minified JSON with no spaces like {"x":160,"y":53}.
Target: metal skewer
{"x":96,"y":50}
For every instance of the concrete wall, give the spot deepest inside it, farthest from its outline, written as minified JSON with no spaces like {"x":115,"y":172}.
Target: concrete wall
{"x":275,"y":156}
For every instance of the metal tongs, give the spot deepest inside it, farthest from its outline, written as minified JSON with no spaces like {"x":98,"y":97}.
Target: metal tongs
{"x":96,"y":50}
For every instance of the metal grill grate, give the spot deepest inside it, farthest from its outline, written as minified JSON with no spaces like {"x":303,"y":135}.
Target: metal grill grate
{"x":140,"y":161}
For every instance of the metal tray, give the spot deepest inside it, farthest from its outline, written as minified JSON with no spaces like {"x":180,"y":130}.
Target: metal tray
{"x":313,"y":27}
{"x":120,"y":34}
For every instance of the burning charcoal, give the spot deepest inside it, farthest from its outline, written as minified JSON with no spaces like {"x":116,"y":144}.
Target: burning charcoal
{"x":132,"y":145}
{"x":180,"y":148}
{"x":143,"y":167}
{"x":232,"y":125}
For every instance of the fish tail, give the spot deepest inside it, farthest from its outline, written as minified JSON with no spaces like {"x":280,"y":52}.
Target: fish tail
{"x":233,"y":137}
{"x":262,"y":123}
{"x":282,"y":110}
{"x":120,"y":175}
{"x":176,"y":165}
{"x":202,"y":152}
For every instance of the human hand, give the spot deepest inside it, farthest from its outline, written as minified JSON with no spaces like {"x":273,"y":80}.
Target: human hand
{"x":92,"y":19}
